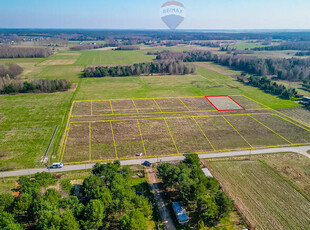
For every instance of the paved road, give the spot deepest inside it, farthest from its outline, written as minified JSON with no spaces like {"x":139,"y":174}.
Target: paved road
{"x":298,"y":149}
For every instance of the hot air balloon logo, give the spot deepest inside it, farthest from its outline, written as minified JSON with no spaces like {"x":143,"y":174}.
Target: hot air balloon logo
{"x":172,"y":13}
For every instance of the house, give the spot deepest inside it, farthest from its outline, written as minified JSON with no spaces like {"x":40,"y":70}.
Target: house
{"x":180,"y":213}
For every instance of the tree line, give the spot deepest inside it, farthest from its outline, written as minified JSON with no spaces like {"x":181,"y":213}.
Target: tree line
{"x":200,"y":195}
{"x":161,"y":68}
{"x":105,"y":201}
{"x":270,"y":86}
{"x":17,"y":85}
{"x":24,"y":52}
{"x":292,"y":69}
{"x":298,"y":45}
{"x":11,"y":69}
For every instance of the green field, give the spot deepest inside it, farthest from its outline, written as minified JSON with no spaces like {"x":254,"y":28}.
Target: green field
{"x":206,"y":82}
{"x":24,"y":149}
{"x":262,"y":195}
{"x":248,"y":45}
{"x":112,"y":57}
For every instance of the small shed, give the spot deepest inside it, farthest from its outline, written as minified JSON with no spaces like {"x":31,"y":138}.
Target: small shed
{"x":180,"y":213}
{"x":207,"y":172}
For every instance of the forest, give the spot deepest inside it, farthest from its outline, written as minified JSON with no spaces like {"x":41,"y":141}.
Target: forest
{"x":10,"y":69}
{"x":24,"y":52}
{"x":17,"y":85}
{"x":292,"y":69}
{"x":270,"y":86}
{"x":300,"y":45}
{"x":145,"y":69}
{"x":200,"y":195}
{"x":104,"y":201}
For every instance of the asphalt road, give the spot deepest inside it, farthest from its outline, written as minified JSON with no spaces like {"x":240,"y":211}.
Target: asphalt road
{"x":298,"y":149}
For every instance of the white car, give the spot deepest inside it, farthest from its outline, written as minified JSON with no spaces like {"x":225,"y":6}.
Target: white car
{"x":57,"y":165}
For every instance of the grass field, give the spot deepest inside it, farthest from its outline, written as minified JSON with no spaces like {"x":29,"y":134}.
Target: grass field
{"x":112,"y":57}
{"x":262,"y":195}
{"x":249,"y":45}
{"x":206,"y":82}
{"x":24,"y":149}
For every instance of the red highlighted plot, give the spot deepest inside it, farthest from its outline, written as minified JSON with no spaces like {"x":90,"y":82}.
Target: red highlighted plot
{"x":224,"y":103}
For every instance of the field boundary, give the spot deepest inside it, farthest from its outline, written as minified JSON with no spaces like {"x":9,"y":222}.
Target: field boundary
{"x":242,"y":108}
{"x":277,"y":114}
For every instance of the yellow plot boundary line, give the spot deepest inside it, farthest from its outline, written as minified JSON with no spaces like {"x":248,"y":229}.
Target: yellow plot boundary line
{"x":89,"y":143}
{"x":160,"y":118}
{"x":64,"y":139}
{"x":172,"y":137}
{"x":66,"y":130}
{"x":111,"y":107}
{"x":279,"y":113}
{"x":91,"y":108}
{"x":158,"y":105}
{"x":238,"y":132}
{"x":113,"y":139}
{"x":270,"y":129}
{"x":193,"y":118}
{"x":184,"y":104}
{"x":141,"y":138}
{"x":65,"y":143}
{"x":205,"y":152}
{"x":203,"y":133}
{"x":135,"y":106}
{"x":154,"y":113}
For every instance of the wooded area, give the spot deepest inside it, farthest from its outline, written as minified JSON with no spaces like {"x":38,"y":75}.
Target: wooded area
{"x":200,"y":195}
{"x":292,"y":69}
{"x":104,"y":201}
{"x":18,"y":85}
{"x":162,"y":68}
{"x":24,"y":52}
{"x":10,"y":69}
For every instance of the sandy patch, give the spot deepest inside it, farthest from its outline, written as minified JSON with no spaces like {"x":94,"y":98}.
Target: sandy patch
{"x":58,"y":62}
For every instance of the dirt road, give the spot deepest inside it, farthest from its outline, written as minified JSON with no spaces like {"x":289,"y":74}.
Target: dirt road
{"x":163,"y":209}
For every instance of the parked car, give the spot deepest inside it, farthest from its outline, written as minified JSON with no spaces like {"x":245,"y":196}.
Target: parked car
{"x":147,"y":163}
{"x":57,"y":165}
{"x":139,"y":154}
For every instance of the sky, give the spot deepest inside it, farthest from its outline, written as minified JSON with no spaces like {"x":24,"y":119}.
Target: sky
{"x":145,"y":14}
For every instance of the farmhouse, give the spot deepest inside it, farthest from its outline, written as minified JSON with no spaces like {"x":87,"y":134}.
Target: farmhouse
{"x":180,"y":213}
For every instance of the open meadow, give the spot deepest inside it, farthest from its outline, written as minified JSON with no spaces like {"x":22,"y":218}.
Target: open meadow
{"x":268,"y":190}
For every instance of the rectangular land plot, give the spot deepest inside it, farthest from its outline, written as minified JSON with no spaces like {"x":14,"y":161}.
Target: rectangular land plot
{"x":146,"y":106}
{"x":247,"y":103}
{"x":171,"y":105}
{"x":81,"y":108}
{"x":291,"y":132}
{"x":255,"y":133}
{"x":102,"y":144}
{"x":123,"y":107}
{"x":263,"y":196}
{"x":127,"y":138}
{"x":197,"y":104}
{"x":101,"y":107}
{"x":224,"y":103}
{"x":188,"y":136}
{"x":77,"y":145}
{"x":221,"y":135}
{"x":156,"y":137}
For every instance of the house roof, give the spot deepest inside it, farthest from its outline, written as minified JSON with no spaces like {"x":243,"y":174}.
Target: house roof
{"x":179,"y":211}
